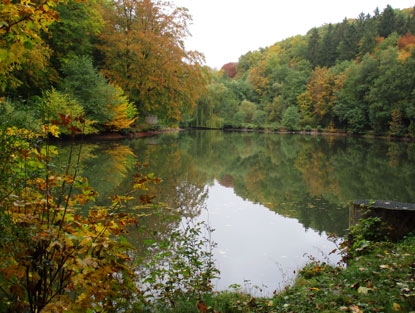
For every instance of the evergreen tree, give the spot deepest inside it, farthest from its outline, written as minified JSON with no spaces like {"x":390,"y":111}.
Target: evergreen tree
{"x":329,"y":46}
{"x":368,"y":41}
{"x":401,"y":24}
{"x":313,"y":48}
{"x":348,"y":46}
{"x":410,"y":23}
{"x":387,"y":22}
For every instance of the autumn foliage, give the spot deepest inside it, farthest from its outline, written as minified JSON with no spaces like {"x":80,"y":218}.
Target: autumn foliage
{"x":54,"y":259}
{"x":144,"y":54}
{"x":20,"y":42}
{"x":230,"y":69}
{"x":318,"y":101}
{"x":406,"y":45}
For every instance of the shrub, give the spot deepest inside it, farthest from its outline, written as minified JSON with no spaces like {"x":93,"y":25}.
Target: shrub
{"x":361,"y":237}
{"x":52,"y":258}
{"x":55,"y":103}
{"x":239,"y":118}
{"x":14,"y":113}
{"x":104,"y":103}
{"x":308,"y":128}
{"x":249,"y":108}
{"x":290,"y":118}
{"x":319,"y":129}
{"x":215,"y":122}
{"x":259,"y":117}
{"x":124,"y":112}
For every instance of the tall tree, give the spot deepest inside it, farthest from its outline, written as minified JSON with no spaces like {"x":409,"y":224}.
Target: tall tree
{"x":410,"y":23}
{"x":329,"y":46}
{"x":313,"y":48}
{"x":348,"y":47}
{"x":318,"y":101}
{"x":368,"y":41}
{"x":387,"y":22}
{"x":145,"y":55}
{"x":20,"y":44}
{"x":352,"y":104}
{"x":80,"y":23}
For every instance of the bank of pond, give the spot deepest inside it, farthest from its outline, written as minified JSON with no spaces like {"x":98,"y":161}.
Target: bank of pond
{"x":378,"y":278}
{"x":273,"y":199}
{"x":227,"y":221}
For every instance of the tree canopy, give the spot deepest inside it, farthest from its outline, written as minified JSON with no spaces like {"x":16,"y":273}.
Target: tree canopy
{"x":353,"y":76}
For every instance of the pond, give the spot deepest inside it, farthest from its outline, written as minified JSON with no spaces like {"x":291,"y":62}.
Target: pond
{"x":272,"y":199}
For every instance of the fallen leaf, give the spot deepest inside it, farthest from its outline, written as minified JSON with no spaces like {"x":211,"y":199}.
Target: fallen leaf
{"x":201,"y":307}
{"x":355,"y":309}
{"x":384,"y":266}
{"x":396,"y":307}
{"x":364,"y":290}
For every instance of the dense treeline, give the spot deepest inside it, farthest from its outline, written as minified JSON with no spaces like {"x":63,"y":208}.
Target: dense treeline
{"x":109,"y":61}
{"x":358,"y":76}
{"x":310,"y":178}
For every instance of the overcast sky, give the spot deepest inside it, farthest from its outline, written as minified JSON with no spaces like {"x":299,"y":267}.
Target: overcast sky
{"x":223,"y":30}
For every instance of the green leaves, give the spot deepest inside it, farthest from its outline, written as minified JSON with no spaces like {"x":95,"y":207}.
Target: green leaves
{"x":59,"y":259}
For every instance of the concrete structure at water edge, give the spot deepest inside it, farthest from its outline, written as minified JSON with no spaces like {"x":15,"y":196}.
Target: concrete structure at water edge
{"x":398,"y":216}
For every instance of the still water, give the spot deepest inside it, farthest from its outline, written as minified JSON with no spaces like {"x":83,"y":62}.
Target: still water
{"x":271,"y":198}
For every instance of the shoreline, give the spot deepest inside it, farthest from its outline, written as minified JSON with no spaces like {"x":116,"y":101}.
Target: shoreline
{"x":314,"y":133}
{"x":311,"y":133}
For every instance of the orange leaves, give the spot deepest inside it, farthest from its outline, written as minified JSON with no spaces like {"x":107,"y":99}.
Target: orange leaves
{"x":22,"y":22}
{"x":145,"y":56}
{"x":61,"y":260}
{"x":230,"y":69}
{"x":317,"y":102}
{"x":406,"y":46}
{"x":406,"y":40}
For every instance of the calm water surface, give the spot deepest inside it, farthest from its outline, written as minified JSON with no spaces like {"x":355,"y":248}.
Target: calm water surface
{"x":271,"y":198}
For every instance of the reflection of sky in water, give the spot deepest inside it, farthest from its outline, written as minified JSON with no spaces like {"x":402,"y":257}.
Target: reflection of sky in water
{"x":258,"y":245}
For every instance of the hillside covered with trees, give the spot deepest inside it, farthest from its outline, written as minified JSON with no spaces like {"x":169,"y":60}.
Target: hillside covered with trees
{"x":109,"y":61}
{"x":357,"y":76}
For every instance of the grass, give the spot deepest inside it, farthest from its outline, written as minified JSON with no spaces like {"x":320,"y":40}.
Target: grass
{"x":380,"y":278}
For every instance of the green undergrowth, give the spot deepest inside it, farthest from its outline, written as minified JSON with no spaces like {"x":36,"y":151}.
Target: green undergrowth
{"x":380,"y":277}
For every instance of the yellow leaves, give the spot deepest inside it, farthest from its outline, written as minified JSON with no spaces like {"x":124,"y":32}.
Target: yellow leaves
{"x":317,"y":269}
{"x":20,"y":132}
{"x":314,"y":289}
{"x":51,"y":129}
{"x":396,"y":307}
{"x":124,"y":112}
{"x":88,"y":262}
{"x":355,"y":309}
{"x":81,"y":255}
{"x":120,"y":120}
{"x":149,"y":61}
{"x":118,"y":200}
{"x":364,"y":290}
{"x":20,"y":29}
{"x":57,"y":307}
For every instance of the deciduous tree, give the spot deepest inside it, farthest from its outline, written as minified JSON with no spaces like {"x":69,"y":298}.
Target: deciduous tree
{"x":145,"y":55}
{"x":20,"y":24}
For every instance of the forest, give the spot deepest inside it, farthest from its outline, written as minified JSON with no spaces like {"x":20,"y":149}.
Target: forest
{"x":356,"y":76}
{"x":109,"y":61}
{"x":116,"y":62}
{"x":71,"y":67}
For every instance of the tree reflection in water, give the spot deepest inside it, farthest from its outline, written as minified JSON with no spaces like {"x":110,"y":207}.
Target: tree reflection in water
{"x":309,"y":178}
